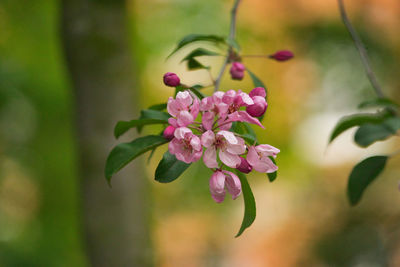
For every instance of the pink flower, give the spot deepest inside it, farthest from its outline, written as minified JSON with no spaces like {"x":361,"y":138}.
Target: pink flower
{"x":185,"y":146}
{"x":243,"y":116}
{"x":258,"y":108}
{"x":213,"y":106}
{"x":221,"y":180}
{"x":171,"y":79}
{"x":258,"y":91}
{"x":169,"y":132}
{"x":282,"y":55}
{"x":183,"y":108}
{"x":235,"y":100}
{"x":229,"y":147}
{"x":237,"y":71}
{"x":258,"y":157}
{"x":244,"y":166}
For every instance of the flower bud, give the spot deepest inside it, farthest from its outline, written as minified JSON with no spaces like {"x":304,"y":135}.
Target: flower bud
{"x":258,"y":108}
{"x":169,"y":132}
{"x":258,"y":91}
{"x":282,"y":55}
{"x":244,"y":166}
{"x":171,"y":79}
{"x":237,"y":71}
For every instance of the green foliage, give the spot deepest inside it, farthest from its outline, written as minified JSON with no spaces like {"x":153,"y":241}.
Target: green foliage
{"x":249,"y":204}
{"x":379,"y":103}
{"x":256,"y":81}
{"x":198,"y":52}
{"x":245,"y":131}
{"x":191,"y":38}
{"x":169,"y":168}
{"x":193,"y":64}
{"x":159,"y":107}
{"x":358,"y":119}
{"x":272,"y":176}
{"x":123,"y":126}
{"x":370,"y":133}
{"x":124,"y":153}
{"x":152,"y":114}
{"x":233,"y":43}
{"x":195,"y":90}
{"x":362,"y":175}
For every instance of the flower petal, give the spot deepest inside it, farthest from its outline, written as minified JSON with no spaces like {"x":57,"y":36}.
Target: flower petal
{"x":252,"y":156}
{"x":208,"y":138}
{"x":180,"y":132}
{"x":232,"y":183}
{"x":210,"y":157}
{"x":229,"y":136}
{"x":229,"y":159}
{"x":184,"y":118}
{"x":208,"y":120}
{"x":217,"y":186}
{"x":195,"y":143}
{"x":267,"y":150}
{"x":238,"y":148}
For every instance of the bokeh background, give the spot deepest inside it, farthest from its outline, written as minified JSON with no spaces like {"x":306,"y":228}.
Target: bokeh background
{"x":51,"y":216}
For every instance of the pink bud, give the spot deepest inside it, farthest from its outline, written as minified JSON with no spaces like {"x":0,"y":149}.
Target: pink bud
{"x":244,"y":166}
{"x":237,"y":71}
{"x":282,"y":55}
{"x":258,"y":91}
{"x":171,"y":79}
{"x":258,"y":108}
{"x":169,"y":132}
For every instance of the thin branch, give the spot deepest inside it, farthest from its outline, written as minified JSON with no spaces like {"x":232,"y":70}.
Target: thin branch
{"x":361,"y":50}
{"x":232,"y":34}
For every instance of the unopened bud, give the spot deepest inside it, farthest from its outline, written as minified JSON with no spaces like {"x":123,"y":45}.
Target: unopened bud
{"x":171,"y":79}
{"x":237,"y":71}
{"x":169,"y":132}
{"x":244,"y":166}
{"x":258,"y":108}
{"x":258,"y":91}
{"x":282,"y":55}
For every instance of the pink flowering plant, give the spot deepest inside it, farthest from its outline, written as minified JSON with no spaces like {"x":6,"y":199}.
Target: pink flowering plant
{"x":215,"y":130}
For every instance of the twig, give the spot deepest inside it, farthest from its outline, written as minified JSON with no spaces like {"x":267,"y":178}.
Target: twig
{"x":232,"y":33}
{"x":361,"y":50}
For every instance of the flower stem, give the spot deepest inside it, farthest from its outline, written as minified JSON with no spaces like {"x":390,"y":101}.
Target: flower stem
{"x":232,"y":34}
{"x":361,"y":50}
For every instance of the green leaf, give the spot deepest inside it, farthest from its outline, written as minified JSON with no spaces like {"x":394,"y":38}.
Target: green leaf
{"x":159,"y":107}
{"x":198,"y":52}
{"x":191,"y":38}
{"x":245,"y":131}
{"x":233,"y":44}
{"x":152,"y":114}
{"x":193,"y":64}
{"x":370,"y":133}
{"x":169,"y":168}
{"x":256,"y":81}
{"x":358,"y":119}
{"x":123,"y":126}
{"x":272,"y":176}
{"x":249,"y":204}
{"x":196,"y":91}
{"x":379,"y":102}
{"x":124,"y":153}
{"x":362,"y":175}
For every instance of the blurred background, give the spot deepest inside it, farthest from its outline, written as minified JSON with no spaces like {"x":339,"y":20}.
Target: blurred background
{"x":70,"y":70}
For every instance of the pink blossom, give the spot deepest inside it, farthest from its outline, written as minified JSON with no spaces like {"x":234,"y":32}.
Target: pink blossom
{"x":184,"y":108}
{"x":235,"y":100}
{"x":185,"y":146}
{"x":169,"y":132}
{"x":229,"y":147}
{"x":258,"y":91}
{"x":282,"y":55}
{"x":244,"y":166}
{"x":258,"y":108}
{"x":171,"y":79}
{"x":243,"y":116}
{"x":258,"y":157}
{"x":237,"y":71}
{"x":213,"y":106}
{"x":221,"y":180}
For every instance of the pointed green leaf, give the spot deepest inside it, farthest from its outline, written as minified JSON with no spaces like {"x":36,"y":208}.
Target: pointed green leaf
{"x":152,"y":114}
{"x":193,"y":64}
{"x":256,"y":81}
{"x":169,"y":168}
{"x":249,"y":204}
{"x":124,"y":153}
{"x":370,"y":133}
{"x":379,"y":103}
{"x":362,"y":175}
{"x":358,"y":119}
{"x":191,"y":38}
{"x":159,"y":107}
{"x":196,"y":91}
{"x":272,"y":176}
{"x":198,"y":52}
{"x":123,"y":126}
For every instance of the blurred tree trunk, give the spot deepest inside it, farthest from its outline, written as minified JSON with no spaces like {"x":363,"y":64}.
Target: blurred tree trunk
{"x":95,"y":38}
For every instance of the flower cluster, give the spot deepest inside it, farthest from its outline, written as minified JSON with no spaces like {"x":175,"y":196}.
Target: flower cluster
{"x":203,"y":129}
